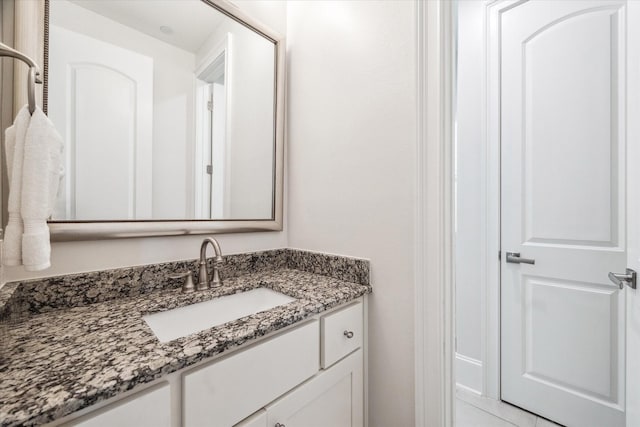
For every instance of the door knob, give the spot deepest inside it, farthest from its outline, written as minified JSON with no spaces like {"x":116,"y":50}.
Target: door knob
{"x":514,"y":258}
{"x":628,"y":278}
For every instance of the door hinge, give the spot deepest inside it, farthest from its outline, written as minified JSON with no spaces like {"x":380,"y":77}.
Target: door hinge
{"x":210,"y":105}
{"x":210,"y":169}
{"x":499,"y":255}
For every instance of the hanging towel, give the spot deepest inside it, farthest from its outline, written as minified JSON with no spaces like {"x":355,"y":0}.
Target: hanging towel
{"x":14,"y":148}
{"x":41,"y":175}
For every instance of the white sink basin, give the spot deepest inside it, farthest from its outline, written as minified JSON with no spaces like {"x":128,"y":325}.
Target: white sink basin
{"x":179,"y":322}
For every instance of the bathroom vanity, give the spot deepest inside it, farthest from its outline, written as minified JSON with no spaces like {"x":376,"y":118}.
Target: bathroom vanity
{"x":82,"y":353}
{"x":307,"y":374}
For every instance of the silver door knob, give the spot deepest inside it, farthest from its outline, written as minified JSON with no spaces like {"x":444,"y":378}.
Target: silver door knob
{"x":514,"y":258}
{"x":348,"y":334}
{"x":629,"y":278}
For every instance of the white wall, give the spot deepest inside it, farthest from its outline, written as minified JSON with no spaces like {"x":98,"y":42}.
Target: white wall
{"x":469,"y":196}
{"x":352,"y":148}
{"x":173,"y":103}
{"x":72,"y":257}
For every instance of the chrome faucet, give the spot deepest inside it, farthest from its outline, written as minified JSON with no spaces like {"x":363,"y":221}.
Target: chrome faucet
{"x":203,"y":274}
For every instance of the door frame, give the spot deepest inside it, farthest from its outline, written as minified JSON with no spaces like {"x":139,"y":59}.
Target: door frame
{"x":433,"y":252}
{"x":200,"y":161}
{"x":490,"y":280}
{"x":490,"y":175}
{"x":434,"y":278}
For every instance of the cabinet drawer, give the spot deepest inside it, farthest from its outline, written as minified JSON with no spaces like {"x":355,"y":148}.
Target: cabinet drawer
{"x":225,"y":392}
{"x":341,"y":333}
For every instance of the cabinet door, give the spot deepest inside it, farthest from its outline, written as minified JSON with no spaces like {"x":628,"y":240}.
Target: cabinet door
{"x":151,"y":408}
{"x":332,"y":398}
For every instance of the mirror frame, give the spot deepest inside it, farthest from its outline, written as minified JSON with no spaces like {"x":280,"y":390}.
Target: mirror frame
{"x":95,"y":230}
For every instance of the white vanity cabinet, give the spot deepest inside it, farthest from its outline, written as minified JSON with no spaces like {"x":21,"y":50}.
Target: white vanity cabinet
{"x":311,"y":374}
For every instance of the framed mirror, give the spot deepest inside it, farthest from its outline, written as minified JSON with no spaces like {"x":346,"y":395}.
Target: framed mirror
{"x":172,"y":117}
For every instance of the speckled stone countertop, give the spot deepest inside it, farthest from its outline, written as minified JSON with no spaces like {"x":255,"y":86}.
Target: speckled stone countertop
{"x":58,"y":361}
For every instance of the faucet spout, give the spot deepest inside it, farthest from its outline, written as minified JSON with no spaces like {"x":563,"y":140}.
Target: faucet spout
{"x":204,"y":281}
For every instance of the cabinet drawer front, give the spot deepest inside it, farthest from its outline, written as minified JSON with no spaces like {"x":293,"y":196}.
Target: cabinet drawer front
{"x":341,"y":333}
{"x":225,"y":392}
{"x":149,"y":408}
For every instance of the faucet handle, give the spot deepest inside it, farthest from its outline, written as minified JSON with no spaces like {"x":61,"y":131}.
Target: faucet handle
{"x":188,"y":285}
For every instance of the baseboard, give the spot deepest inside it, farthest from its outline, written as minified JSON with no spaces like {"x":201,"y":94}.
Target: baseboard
{"x":469,"y":373}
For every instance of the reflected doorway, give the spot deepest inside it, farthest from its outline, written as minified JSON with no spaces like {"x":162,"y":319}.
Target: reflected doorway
{"x":211,"y":169}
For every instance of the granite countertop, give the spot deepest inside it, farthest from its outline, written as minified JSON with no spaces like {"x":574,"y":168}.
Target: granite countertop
{"x":64,"y":360}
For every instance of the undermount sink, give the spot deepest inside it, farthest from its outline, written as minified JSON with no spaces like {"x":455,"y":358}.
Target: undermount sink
{"x":179,"y":322}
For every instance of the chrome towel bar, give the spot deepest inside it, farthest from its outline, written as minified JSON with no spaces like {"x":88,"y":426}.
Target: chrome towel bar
{"x":34,"y":73}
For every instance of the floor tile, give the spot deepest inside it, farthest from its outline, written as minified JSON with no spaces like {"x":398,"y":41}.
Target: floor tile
{"x":500,"y":409}
{"x":470,"y":416}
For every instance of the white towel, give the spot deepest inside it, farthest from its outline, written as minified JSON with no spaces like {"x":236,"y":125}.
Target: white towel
{"x":41,"y":175}
{"x":14,"y":148}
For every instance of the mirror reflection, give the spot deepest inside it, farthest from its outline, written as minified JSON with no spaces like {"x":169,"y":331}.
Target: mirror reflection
{"x":167,"y":110}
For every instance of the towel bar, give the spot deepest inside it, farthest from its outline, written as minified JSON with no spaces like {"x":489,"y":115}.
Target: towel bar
{"x":34,"y":73}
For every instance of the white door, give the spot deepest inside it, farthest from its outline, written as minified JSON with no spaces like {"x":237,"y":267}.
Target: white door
{"x":563,"y":205}
{"x":101,"y":99}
